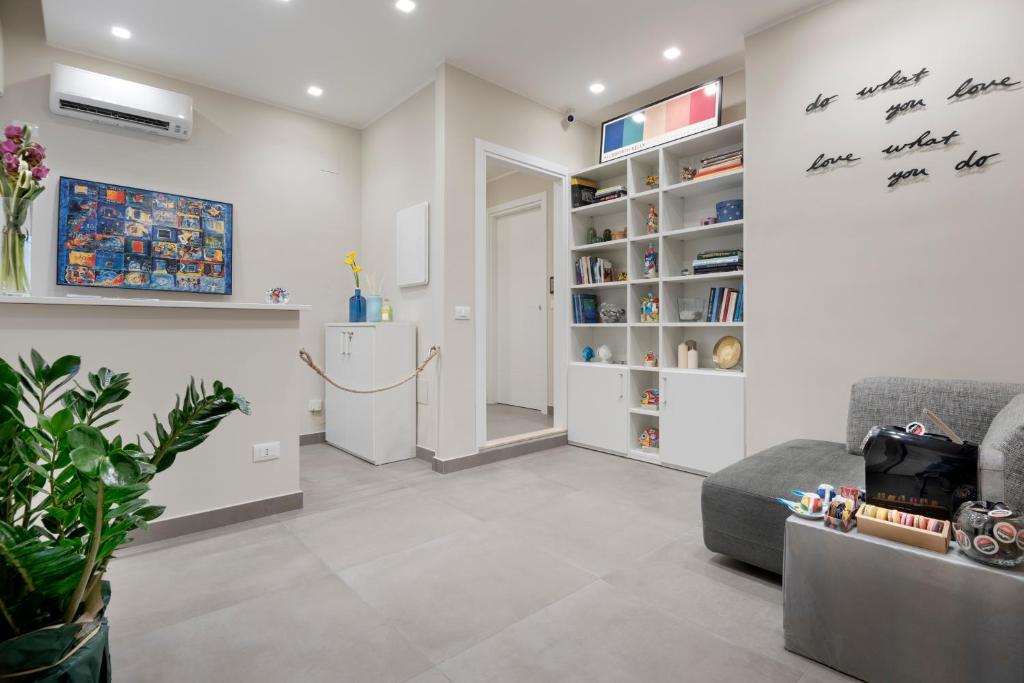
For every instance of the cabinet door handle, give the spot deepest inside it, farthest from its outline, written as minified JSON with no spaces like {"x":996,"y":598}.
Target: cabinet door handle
{"x":622,"y":382}
{"x":663,"y":399}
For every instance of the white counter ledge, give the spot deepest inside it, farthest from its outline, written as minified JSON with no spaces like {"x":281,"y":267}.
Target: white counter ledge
{"x":147,"y":303}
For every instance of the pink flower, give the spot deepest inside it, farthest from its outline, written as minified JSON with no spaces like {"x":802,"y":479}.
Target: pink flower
{"x":11,"y":164}
{"x":8,"y":147}
{"x":15,"y":133}
{"x":34,"y":154}
{"x":40,"y":172}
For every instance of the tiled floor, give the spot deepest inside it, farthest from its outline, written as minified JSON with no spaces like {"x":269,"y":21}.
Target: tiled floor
{"x":566,"y":565}
{"x":504,"y":421}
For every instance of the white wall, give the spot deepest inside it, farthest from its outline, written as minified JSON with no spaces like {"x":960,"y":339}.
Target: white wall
{"x":847,"y":278}
{"x":508,"y":188}
{"x":398,"y":171}
{"x":293,"y":180}
{"x":474,"y":108}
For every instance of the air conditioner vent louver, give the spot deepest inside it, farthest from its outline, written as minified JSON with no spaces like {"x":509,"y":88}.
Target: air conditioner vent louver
{"x":112,"y":114}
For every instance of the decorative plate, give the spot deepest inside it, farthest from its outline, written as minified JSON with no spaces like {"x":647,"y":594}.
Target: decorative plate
{"x":727,"y":352}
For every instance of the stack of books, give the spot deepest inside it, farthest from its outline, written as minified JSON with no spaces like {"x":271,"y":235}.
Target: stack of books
{"x":725,"y":305}
{"x":584,"y":308}
{"x":719,"y":261}
{"x":583,"y":190}
{"x":592,"y":269}
{"x":605,"y":194}
{"x":720,"y":163}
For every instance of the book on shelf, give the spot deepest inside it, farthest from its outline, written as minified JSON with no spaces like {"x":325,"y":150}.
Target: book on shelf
{"x":720,"y":261}
{"x":605,"y":194}
{"x":720,"y":163}
{"x":584,"y":308}
{"x":725,"y":305}
{"x":583,"y":190}
{"x":593,"y":269}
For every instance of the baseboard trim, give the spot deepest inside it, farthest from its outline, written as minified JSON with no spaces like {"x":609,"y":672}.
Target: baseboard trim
{"x":490,"y":455}
{"x":211,"y":519}
{"x":424,"y":453}
{"x":310,"y":439}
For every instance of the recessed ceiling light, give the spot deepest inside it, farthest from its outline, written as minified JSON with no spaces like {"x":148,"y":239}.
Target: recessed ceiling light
{"x":120,"y":32}
{"x":597,"y":88}
{"x":672,"y":52}
{"x":405,"y":5}
{"x":638,"y":117}
{"x":315,"y":91}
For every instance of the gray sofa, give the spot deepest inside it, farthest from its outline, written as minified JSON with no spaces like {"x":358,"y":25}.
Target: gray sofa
{"x":741,"y":517}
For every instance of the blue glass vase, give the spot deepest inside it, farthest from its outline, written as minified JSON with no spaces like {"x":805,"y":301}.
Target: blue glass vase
{"x":357,"y":308}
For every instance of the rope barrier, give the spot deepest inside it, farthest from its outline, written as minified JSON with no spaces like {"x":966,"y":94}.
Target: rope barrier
{"x":308,"y":360}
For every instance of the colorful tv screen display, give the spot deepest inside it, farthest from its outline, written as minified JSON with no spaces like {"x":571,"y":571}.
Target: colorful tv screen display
{"x":125,"y":238}
{"x":687,"y":113}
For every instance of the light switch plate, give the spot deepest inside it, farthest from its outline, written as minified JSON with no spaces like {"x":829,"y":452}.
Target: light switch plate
{"x":462,"y":312}
{"x":315,"y":405}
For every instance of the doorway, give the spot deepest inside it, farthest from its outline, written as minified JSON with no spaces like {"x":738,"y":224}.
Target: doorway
{"x":516,"y":335}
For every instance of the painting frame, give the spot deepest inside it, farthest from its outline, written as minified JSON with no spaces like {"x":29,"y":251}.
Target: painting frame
{"x":621,"y":141}
{"x":115,"y":236}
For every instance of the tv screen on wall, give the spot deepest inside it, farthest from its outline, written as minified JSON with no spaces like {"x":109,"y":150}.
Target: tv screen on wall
{"x":687,"y":113}
{"x":122,"y":237}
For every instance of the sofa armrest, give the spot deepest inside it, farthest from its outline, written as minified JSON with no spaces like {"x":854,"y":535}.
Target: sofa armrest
{"x":966,"y":406}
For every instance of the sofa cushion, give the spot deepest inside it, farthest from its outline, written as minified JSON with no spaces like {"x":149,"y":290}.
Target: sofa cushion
{"x":741,"y":517}
{"x":1001,"y":456}
{"x":968,"y":407}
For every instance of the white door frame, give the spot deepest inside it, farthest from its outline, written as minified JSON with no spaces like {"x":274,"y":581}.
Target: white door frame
{"x":559,"y":175}
{"x":533,"y":201}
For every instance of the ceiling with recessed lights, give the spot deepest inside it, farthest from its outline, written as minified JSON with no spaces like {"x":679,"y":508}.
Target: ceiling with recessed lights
{"x":368,"y":55}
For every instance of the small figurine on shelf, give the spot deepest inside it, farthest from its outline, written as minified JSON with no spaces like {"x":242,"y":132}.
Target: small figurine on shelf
{"x":652,"y":220}
{"x":587,"y":354}
{"x":687,"y":173}
{"x":592,"y":236}
{"x":651,"y":262}
{"x":650,"y":360}
{"x":604,"y":353}
{"x":649,"y":438}
{"x":651,"y":181}
{"x":622,"y":277}
{"x":649,"y":399}
{"x":649,"y":308}
{"x":607,"y":235}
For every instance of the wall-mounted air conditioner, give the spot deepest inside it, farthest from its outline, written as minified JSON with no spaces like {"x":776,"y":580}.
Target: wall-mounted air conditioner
{"x":96,"y":97}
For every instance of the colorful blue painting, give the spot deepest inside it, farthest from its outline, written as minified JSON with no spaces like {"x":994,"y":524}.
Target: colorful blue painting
{"x":127,"y":238}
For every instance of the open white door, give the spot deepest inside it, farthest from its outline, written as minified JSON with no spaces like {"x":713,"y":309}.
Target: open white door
{"x":520,"y":295}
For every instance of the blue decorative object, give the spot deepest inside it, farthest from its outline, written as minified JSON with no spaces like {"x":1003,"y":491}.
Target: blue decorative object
{"x":374,"y":303}
{"x":357,"y":308}
{"x":125,"y":238}
{"x":729,"y":210}
{"x":588,"y":354}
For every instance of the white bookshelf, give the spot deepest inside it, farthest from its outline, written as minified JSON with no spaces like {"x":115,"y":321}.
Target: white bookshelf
{"x":701,"y":418}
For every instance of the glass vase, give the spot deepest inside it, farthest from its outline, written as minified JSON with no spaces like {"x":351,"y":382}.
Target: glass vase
{"x":357,"y":308}
{"x":15,"y":248}
{"x":373,"y":308}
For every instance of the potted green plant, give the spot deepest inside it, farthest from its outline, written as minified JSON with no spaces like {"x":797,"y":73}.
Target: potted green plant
{"x":70,"y":495}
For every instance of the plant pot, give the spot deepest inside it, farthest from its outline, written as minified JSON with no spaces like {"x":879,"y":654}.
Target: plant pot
{"x":357,"y":308}
{"x":15,"y":247}
{"x":69,"y":653}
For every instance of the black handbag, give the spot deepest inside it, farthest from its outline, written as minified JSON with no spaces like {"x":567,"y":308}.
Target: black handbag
{"x":924,"y":474}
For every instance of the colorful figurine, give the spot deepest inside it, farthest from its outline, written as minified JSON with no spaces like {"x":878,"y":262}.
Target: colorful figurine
{"x":649,"y":308}
{"x":650,"y":360}
{"x":622,"y":277}
{"x":651,"y":262}
{"x":651,"y":181}
{"x":687,"y":173}
{"x":652,"y":220}
{"x":649,"y":438}
{"x":588,"y":354}
{"x":649,"y":399}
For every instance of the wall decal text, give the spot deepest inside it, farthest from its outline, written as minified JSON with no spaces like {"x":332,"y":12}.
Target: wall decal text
{"x":897,"y":80}
{"x":923,"y":141}
{"x":900,"y":176}
{"x":972,"y":162}
{"x":969,"y":88}
{"x":820,"y":103}
{"x":901,"y":108}
{"x":823,"y":162}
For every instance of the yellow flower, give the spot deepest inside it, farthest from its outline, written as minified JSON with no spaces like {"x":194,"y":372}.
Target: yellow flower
{"x":357,"y":269}
{"x":349,"y":261}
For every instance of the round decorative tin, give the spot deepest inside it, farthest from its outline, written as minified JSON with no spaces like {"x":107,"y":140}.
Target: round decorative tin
{"x":990,"y":533}
{"x":727,"y":352}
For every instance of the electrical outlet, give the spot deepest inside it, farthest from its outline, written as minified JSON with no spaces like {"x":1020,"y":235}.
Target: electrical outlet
{"x":462,"y":312}
{"x":315,"y":405}
{"x":266,"y":451}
